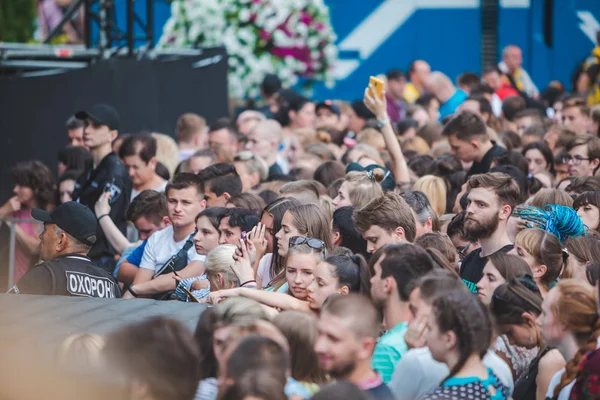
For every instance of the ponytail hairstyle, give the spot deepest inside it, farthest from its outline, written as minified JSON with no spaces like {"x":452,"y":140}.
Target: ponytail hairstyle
{"x":277,"y":209}
{"x":466,"y":316}
{"x":576,"y":309}
{"x":364,"y":186}
{"x":351,"y":271}
{"x":546,"y":250}
{"x":512,"y":299}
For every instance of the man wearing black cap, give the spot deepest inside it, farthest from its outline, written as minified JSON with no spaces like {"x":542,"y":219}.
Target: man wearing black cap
{"x":359,"y":116}
{"x":107,"y":174}
{"x":69,"y":233}
{"x":328,"y":114}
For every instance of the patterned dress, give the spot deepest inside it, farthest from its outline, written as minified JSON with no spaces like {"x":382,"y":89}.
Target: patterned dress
{"x":470,"y":388}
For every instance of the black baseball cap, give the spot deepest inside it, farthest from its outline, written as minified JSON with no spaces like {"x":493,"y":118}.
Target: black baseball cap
{"x":74,"y":218}
{"x":330,"y":105}
{"x":361,"y":110}
{"x":102,"y":114}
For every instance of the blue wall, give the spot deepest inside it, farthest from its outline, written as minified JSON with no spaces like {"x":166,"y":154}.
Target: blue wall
{"x":450,"y":38}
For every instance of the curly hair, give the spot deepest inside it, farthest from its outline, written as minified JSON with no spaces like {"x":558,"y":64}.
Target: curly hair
{"x":38,"y":177}
{"x":576,"y":309}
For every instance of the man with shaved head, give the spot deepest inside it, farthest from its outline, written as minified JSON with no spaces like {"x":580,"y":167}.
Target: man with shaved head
{"x":512,"y":65}
{"x":263,"y":141}
{"x":448,"y":95}
{"x":418,"y":72}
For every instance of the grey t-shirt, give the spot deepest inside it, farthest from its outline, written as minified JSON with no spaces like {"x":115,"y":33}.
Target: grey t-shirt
{"x":417,"y":373}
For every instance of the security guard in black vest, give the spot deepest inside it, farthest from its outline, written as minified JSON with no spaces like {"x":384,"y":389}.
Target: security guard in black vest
{"x":69,"y":232}
{"x":106,"y":174}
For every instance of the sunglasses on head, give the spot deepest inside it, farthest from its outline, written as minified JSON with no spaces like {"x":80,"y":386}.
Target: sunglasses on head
{"x":313,"y":243}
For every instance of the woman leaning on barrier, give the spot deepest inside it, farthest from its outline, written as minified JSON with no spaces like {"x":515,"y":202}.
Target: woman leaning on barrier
{"x":34,"y":188}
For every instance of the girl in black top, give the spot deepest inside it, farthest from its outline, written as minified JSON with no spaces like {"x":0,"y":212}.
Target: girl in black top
{"x":515,"y":306}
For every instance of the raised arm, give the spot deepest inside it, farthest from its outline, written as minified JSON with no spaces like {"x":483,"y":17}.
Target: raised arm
{"x":378,"y":107}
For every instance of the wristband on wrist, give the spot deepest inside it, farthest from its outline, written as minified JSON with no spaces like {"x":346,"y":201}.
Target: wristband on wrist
{"x":382,"y":122}
{"x":130,"y":290}
{"x":102,"y":216}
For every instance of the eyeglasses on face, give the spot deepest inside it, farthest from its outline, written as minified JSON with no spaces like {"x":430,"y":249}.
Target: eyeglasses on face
{"x":313,"y":243}
{"x":577,"y":160}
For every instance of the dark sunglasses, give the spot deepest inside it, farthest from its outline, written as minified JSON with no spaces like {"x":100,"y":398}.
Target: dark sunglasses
{"x":313,"y":243}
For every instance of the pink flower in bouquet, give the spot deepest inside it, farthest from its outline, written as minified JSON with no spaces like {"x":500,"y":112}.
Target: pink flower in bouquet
{"x":305,"y":18}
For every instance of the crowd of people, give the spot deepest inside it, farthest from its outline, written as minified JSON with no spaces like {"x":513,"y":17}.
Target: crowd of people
{"x":437,"y":242}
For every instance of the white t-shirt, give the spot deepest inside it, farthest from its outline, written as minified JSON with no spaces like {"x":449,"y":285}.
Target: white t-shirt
{"x":264,"y":269}
{"x":161,"y":247}
{"x":417,"y":373}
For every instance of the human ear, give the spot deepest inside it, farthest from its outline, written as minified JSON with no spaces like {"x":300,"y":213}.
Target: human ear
{"x":528,"y":320}
{"x":400,"y":234}
{"x":539,"y":271}
{"x":227,"y":196}
{"x":344,"y":290}
{"x":337,"y":238}
{"x":450,"y":340}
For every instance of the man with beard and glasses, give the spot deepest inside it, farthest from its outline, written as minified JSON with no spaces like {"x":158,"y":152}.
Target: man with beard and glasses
{"x":491,"y":199}
{"x":347,"y":334}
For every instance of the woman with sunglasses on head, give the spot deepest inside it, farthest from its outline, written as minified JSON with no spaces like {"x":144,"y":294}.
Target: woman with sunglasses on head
{"x":460,"y":333}
{"x":340,"y":274}
{"x":303,"y":257}
{"x":515,"y":307}
{"x":308,"y":221}
{"x":569,"y":322}
{"x":543,"y":253}
{"x":502,"y":268}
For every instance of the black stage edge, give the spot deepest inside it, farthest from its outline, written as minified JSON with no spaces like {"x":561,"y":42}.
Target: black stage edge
{"x":148,"y":94}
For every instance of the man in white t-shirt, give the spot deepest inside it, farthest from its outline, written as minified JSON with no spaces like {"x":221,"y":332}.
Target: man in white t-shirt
{"x":417,"y":373}
{"x":185,"y":200}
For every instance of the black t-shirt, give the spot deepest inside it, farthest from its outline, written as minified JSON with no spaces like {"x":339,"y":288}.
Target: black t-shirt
{"x":111,"y":175}
{"x":68,"y":275}
{"x":483,"y":167}
{"x":471,"y":270}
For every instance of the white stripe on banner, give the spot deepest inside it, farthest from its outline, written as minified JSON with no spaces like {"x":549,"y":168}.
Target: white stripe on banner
{"x":378,"y":26}
{"x":515,"y":3}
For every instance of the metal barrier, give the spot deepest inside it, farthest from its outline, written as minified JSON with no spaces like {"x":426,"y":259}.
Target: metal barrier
{"x":12,"y":244}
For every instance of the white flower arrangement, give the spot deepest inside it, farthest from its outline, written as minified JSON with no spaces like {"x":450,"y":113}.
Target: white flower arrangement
{"x":290,"y":38}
